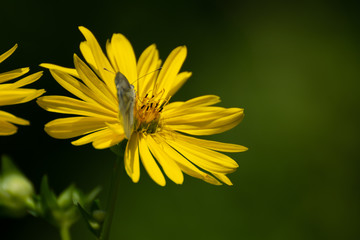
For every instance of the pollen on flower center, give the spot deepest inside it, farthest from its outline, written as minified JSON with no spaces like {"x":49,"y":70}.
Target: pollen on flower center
{"x":147,"y":113}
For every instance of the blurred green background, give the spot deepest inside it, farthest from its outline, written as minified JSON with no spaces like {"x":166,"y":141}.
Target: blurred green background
{"x":293,"y":67}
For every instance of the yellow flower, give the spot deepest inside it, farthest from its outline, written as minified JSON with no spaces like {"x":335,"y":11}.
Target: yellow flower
{"x":12,"y":93}
{"x":157,"y":132}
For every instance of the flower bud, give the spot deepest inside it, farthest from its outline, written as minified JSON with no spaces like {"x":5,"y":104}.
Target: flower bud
{"x":16,"y":191}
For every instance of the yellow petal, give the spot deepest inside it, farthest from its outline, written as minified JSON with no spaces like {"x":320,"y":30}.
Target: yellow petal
{"x":111,"y":56}
{"x":223,"y":178}
{"x":67,"y":105}
{"x":217,"y":146}
{"x":25,"y":81}
{"x":5,"y":116}
{"x":171,"y":169}
{"x":201,"y":115}
{"x":186,"y":166}
{"x":80,"y":90}
{"x":7,"y":128}
{"x":96,"y":137}
{"x":209,"y":128}
{"x":107,"y":139}
{"x":87,"y":54}
{"x":124,"y":57}
{"x":6,"y":76}
{"x":199,"y":122}
{"x":63,"y":128}
{"x":201,"y":101}
{"x":88,"y":138}
{"x":180,"y":80}
{"x":149,"y":163}
{"x":8,"y":53}
{"x":146,"y":68}
{"x":16,"y":96}
{"x":170,"y":69}
{"x":93,"y":82}
{"x":208,"y":160}
{"x":71,"y":71}
{"x":102,"y":63}
{"x":116,"y":128}
{"x":131,"y":158}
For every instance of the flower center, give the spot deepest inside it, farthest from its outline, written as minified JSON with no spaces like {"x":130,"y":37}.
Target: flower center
{"x":147,"y":113}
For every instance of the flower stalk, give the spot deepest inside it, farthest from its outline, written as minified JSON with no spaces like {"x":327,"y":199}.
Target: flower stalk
{"x":65,"y":232}
{"x":114,"y":190}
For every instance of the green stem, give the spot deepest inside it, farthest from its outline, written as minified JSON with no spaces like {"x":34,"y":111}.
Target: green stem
{"x":112,"y":198}
{"x":65,"y":232}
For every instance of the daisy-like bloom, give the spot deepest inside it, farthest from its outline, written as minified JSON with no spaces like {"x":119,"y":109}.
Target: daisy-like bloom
{"x":12,"y":93}
{"x":160,"y":133}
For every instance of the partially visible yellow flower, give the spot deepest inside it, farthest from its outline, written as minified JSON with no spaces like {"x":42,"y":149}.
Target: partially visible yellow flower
{"x":12,"y":93}
{"x":160,"y":134}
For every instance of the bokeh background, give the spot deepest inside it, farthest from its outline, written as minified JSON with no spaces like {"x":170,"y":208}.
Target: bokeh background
{"x":294,"y":66}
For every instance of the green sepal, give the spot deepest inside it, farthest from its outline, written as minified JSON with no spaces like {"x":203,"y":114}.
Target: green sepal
{"x":119,"y":149}
{"x":47,"y":196}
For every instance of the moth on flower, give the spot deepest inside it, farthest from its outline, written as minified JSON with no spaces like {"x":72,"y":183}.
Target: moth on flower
{"x":126,"y":96}
{"x":107,"y":111}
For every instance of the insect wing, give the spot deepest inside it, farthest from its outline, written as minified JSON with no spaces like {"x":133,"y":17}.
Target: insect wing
{"x":126,"y":96}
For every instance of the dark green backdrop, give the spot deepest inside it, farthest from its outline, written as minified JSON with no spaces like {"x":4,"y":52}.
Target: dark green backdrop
{"x":294,"y":67}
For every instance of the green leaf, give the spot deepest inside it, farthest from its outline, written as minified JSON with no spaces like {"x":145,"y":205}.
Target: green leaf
{"x":66,"y":197}
{"x":93,"y":225}
{"x":93,"y":194}
{"x":48,"y":197}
